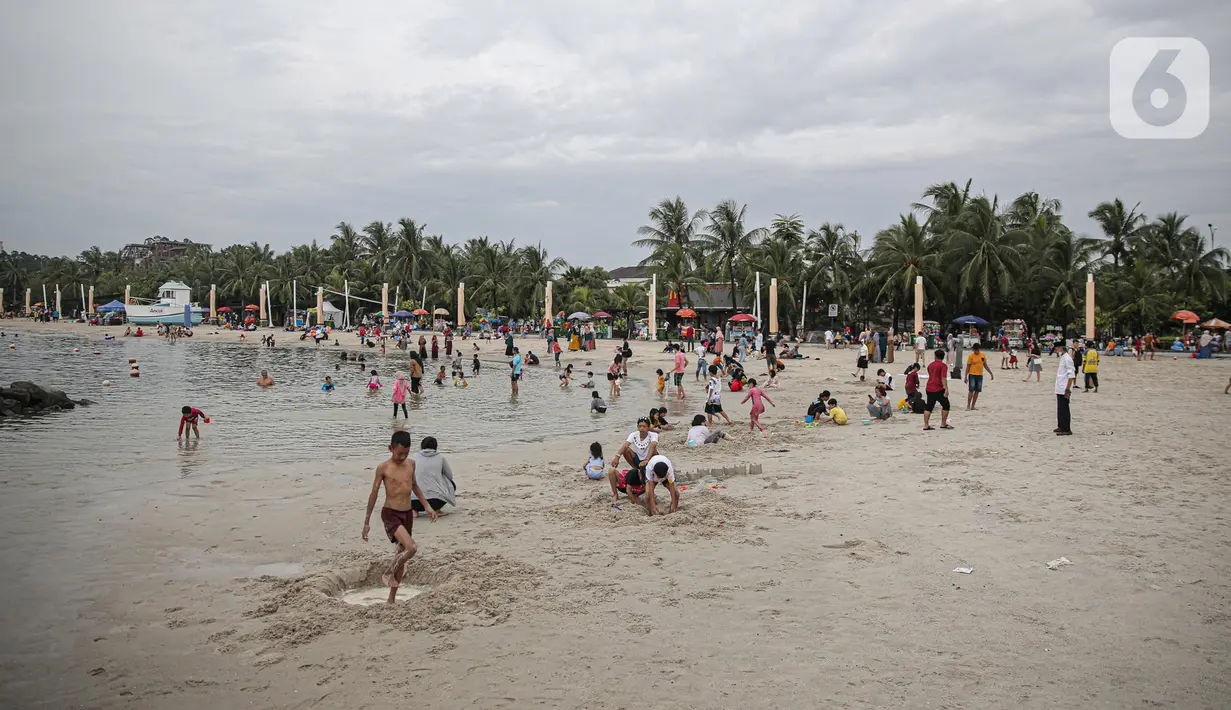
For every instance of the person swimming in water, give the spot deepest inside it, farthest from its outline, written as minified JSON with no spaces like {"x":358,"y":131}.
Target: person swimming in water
{"x":265,"y":380}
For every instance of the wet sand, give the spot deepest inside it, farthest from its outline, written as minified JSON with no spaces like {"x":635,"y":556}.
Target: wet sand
{"x":824,"y":581}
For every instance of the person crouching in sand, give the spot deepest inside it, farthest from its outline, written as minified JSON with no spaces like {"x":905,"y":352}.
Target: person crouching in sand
{"x":398,"y":476}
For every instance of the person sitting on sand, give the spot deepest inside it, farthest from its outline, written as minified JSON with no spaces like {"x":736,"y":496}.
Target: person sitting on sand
{"x":597,"y":404}
{"x":435,"y":477}
{"x":819,"y":407}
{"x":878,"y":405}
{"x":700,"y":434}
{"x":658,"y":421}
{"x":835,"y":414}
{"x":596,"y":466}
{"x":589,"y":383}
{"x":531,"y":358}
{"x":640,"y":447}
{"x":265,"y":380}
{"x":397,"y":515}
{"x":659,"y":471}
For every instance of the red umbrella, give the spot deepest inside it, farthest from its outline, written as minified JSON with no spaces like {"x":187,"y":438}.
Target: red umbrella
{"x":252,"y":307}
{"x":1187,"y":317}
{"x":419,"y":312}
{"x":601,"y":314}
{"x":742,"y":318}
{"x":224,"y":309}
{"x":686,"y":313}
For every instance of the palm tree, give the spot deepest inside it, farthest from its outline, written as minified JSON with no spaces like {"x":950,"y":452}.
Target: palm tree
{"x":780,"y":260}
{"x":987,"y":248}
{"x":900,"y":254}
{"x":628,"y":299}
{"x":948,"y":203}
{"x":1119,"y":227}
{"x":788,"y":229}
{"x":346,"y":244}
{"x":408,"y":262}
{"x":378,"y":244}
{"x":93,"y":261}
{"x":537,"y":268}
{"x":726,"y":239}
{"x":1065,"y":267}
{"x":832,"y":250}
{"x":670,"y":223}
{"x":1140,"y":290}
{"x":673,"y":267}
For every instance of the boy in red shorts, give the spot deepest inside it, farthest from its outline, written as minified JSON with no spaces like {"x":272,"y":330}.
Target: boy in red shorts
{"x":398,"y":476}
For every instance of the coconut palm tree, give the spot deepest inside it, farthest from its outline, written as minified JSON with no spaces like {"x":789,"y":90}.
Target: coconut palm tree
{"x":948,"y":202}
{"x":1120,"y":227}
{"x":987,"y":249}
{"x":726,"y":240}
{"x":378,"y":245}
{"x":408,"y":260}
{"x":670,"y":223}
{"x":788,"y":229}
{"x":346,"y":244}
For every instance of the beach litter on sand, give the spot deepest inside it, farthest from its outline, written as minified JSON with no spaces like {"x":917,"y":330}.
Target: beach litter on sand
{"x":1057,"y":564}
{"x":963,"y":570}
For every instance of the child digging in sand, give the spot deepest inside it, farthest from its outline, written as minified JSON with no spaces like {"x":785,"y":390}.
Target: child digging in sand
{"x":398,"y":476}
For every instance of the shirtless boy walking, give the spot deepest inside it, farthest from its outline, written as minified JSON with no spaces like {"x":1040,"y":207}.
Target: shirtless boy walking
{"x":398,"y":475}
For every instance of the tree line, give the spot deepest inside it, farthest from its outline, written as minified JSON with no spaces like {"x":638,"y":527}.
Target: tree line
{"x":976,"y":256}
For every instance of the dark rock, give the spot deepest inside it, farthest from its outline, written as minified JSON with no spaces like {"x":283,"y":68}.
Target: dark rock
{"x":15,"y":395}
{"x":33,"y":391}
{"x":85,"y":402}
{"x":28,"y":398}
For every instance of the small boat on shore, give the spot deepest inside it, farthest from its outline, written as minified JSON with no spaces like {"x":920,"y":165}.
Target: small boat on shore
{"x":173,"y":298}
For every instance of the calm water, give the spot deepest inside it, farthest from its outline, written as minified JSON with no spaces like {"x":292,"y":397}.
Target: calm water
{"x":129,"y":435}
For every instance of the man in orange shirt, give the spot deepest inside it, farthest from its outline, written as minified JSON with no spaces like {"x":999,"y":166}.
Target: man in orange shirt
{"x":976,"y":363}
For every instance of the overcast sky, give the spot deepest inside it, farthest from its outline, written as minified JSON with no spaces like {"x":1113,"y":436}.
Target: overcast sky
{"x":565,"y":121}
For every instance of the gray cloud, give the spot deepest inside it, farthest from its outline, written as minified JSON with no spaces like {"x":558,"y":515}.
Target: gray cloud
{"x":563,"y":122}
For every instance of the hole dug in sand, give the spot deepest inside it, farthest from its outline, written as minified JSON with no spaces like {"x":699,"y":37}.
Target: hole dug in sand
{"x":361,"y":586}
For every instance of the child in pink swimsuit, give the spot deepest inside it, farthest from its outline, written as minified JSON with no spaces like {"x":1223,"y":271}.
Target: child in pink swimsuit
{"x":756,"y":394}
{"x":400,"y":390}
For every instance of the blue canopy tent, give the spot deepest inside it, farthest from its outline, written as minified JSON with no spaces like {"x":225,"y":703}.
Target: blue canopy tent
{"x":109,"y":307}
{"x":970,"y":320}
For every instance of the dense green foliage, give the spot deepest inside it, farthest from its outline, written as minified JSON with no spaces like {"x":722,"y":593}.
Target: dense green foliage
{"x":975,"y":255}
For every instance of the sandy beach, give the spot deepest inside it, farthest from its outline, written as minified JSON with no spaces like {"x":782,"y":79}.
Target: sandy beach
{"x":825,"y":581}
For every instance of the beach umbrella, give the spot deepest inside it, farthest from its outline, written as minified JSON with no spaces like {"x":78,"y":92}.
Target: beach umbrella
{"x":686,"y":313}
{"x":601,"y":314}
{"x":1187,"y":317}
{"x":227,"y":309}
{"x":1216,"y":323}
{"x":419,"y":312}
{"x":252,"y":307}
{"x":579,"y":315}
{"x":441,"y":312}
{"x":402,"y":314}
{"x":970,"y":320}
{"x":741,"y":318}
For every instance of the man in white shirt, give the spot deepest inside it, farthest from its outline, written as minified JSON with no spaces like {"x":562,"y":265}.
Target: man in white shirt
{"x":921,"y":344}
{"x":660,"y":471}
{"x":700,"y":353}
{"x":829,"y":340}
{"x":641,"y":446}
{"x":1066,"y":375}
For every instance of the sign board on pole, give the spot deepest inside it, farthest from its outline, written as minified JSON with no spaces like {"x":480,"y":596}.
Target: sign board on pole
{"x":833,"y":310}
